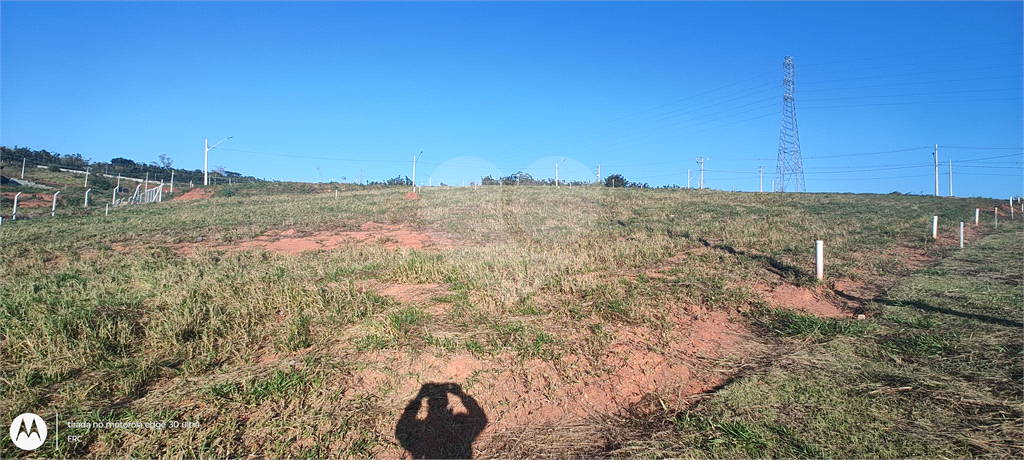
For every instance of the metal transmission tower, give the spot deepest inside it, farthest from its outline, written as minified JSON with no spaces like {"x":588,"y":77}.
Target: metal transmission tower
{"x":789,"y":169}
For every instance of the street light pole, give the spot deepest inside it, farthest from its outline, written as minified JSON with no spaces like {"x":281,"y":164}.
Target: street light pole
{"x":206,"y":159}
{"x":414,"y":170}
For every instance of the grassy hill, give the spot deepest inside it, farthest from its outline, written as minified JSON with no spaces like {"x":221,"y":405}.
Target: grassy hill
{"x":282,"y":320}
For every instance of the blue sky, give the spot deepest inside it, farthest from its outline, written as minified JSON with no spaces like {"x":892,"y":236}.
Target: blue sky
{"x":494,"y":88}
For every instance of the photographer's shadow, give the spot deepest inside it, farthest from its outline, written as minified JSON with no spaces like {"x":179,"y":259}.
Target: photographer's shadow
{"x":444,"y":431}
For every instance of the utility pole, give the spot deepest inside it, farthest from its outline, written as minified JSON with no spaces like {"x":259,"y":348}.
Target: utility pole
{"x":936,"y":169}
{"x":598,"y":174}
{"x":701,"y":160}
{"x":22,"y":168}
{"x":414,"y":170}
{"x":951,"y":177}
{"x":206,"y":159}
{"x":360,"y":177}
{"x":86,"y":177}
{"x":556,"y":175}
{"x":172,"y":181}
{"x":687,"y":178}
{"x":760,"y":177}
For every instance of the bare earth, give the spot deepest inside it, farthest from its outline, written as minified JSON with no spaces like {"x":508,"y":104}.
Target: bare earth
{"x":687,"y":363}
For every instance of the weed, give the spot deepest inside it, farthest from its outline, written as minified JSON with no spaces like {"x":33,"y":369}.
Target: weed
{"x":787,"y":323}
{"x":299,"y":336}
{"x":402,"y":321}
{"x":474,"y":347}
{"x":280,"y":383}
{"x":373,"y":342}
{"x":102,"y":310}
{"x":919,"y":343}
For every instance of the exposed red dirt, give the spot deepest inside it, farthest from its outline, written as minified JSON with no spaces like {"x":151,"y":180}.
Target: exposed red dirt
{"x":678,"y":363}
{"x":412,"y":196}
{"x":195,"y":194}
{"x":389,"y":236}
{"x":34,"y":200}
{"x":407,"y":293}
{"x":695,"y":356}
{"x":294,"y":242}
{"x":801,"y":299}
{"x":515,"y":394}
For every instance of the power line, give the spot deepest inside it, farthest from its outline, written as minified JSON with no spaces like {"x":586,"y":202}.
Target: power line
{"x":309,"y":157}
{"x":912,"y":83}
{"x":924,"y":72}
{"x":885,"y":56}
{"x":844,"y":171}
{"x":871,"y":153}
{"x":910,"y":94}
{"x":983,"y":148}
{"x":986,"y":158}
{"x":580,"y":130}
{"x":901,"y":103}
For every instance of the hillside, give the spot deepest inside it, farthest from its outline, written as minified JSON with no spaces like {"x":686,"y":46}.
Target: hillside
{"x":289,"y":321}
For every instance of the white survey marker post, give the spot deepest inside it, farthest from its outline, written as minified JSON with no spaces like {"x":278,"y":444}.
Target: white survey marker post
{"x":935,"y":227}
{"x":86,"y":204}
{"x":819,"y":259}
{"x":961,"y":235}
{"x":14,"y":214}
{"x":53,"y":211}
{"x":977,"y":211}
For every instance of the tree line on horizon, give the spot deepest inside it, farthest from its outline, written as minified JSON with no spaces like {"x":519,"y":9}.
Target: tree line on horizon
{"x":161,"y":170}
{"x":157,"y":170}
{"x":522,"y":178}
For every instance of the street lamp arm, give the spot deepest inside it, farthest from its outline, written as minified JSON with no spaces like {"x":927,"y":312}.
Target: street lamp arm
{"x":222,"y":140}
{"x":206,"y":160}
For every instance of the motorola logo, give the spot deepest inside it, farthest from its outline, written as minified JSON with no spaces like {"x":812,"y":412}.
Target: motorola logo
{"x":28,"y":431}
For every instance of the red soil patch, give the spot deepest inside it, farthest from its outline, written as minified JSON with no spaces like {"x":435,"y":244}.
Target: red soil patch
{"x":34,"y":200}
{"x":854,"y":289}
{"x":195,"y":194}
{"x":389,"y":236}
{"x":412,"y":196}
{"x":678,"y":364}
{"x":801,"y":299}
{"x":293,"y":242}
{"x":656,"y":271}
{"x":410,"y":293}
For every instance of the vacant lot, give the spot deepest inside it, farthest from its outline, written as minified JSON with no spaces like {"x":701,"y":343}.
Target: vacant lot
{"x":279,"y":321}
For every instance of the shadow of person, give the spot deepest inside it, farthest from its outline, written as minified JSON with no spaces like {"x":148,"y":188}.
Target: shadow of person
{"x":443,"y":431}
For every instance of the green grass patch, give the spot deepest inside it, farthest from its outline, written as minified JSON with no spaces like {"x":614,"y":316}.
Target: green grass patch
{"x":935,"y":376}
{"x":128,"y":308}
{"x":787,"y":323}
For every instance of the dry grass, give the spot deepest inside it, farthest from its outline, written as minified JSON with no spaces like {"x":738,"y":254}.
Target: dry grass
{"x":278,"y":355}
